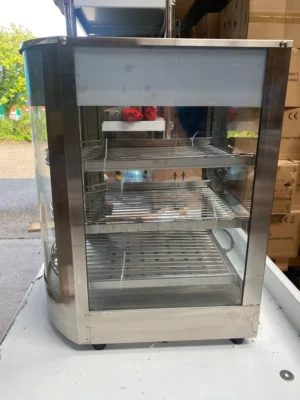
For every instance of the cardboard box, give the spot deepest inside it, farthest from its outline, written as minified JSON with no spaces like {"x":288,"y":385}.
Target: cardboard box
{"x":286,"y":180}
{"x":293,"y":89}
{"x":243,"y":145}
{"x":177,"y":175}
{"x":230,"y":20}
{"x":292,"y":22}
{"x":282,"y":263}
{"x":294,"y":262}
{"x":193,"y":33}
{"x":296,"y":191}
{"x":284,"y":235}
{"x":182,"y":7}
{"x":261,"y":19}
{"x":285,"y":187}
{"x":208,"y":27}
{"x":290,"y":135}
{"x":266,"y":6}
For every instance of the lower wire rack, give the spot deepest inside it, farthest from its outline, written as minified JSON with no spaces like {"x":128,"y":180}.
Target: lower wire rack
{"x":138,"y":207}
{"x":143,"y":260}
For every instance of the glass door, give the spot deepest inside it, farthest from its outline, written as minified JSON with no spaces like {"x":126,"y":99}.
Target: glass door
{"x":162,"y":215}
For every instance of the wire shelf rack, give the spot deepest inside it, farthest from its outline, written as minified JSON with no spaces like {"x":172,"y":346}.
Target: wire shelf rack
{"x":137,"y":207}
{"x":111,"y":155}
{"x":169,"y":259}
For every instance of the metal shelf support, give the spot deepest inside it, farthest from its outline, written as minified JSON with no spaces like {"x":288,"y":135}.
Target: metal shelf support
{"x":70,"y":16}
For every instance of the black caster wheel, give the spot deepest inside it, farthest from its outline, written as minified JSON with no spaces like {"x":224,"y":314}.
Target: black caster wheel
{"x":99,"y":346}
{"x":237,"y":341}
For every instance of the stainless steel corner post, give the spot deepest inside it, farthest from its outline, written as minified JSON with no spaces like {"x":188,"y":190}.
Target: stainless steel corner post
{"x":65,"y":93}
{"x":274,"y":92}
{"x":69,"y":312}
{"x":170,"y":17}
{"x":170,"y":27}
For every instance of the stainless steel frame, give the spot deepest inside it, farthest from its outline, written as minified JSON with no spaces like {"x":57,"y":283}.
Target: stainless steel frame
{"x":114,"y":18}
{"x":170,"y":28}
{"x":170,"y":18}
{"x":268,"y":149}
{"x":70,"y":312}
{"x":69,"y":11}
{"x":121,"y":42}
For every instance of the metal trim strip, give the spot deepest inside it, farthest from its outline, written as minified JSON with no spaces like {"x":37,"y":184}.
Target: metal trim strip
{"x":122,"y":42}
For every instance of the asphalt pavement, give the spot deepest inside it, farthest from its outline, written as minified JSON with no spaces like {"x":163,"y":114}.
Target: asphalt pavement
{"x":21,"y":253}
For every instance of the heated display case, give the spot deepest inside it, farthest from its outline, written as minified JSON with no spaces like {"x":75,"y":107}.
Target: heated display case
{"x":143,"y":225}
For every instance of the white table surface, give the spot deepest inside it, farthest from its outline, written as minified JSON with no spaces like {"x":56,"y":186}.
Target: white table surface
{"x":38,"y":363}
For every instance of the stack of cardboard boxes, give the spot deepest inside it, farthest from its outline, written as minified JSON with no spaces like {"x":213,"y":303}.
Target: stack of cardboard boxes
{"x":261,"y":19}
{"x":269,"y":19}
{"x":208,"y":27}
{"x":284,"y":236}
{"x":253,"y":19}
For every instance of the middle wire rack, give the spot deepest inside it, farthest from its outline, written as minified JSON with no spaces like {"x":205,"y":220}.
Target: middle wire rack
{"x":144,"y":207}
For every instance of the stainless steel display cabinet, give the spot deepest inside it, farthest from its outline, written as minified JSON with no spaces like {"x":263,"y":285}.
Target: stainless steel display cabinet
{"x":157,"y":256}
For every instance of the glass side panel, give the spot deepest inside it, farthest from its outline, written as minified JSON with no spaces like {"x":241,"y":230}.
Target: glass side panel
{"x":40,"y":141}
{"x":167,"y":193}
{"x":35,"y":88}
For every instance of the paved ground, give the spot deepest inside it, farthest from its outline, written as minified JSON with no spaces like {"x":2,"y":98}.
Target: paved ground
{"x":21,"y":253}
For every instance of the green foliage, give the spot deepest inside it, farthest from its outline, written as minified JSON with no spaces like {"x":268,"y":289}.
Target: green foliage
{"x":16,"y":130}
{"x":12,"y":80}
{"x":39,"y":123}
{"x":243,"y":134}
{"x":23,"y":127}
